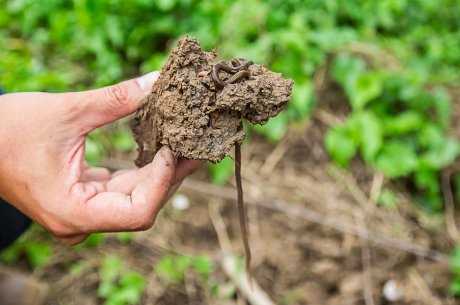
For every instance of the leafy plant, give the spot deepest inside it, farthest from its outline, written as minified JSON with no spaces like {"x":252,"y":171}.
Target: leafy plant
{"x":61,"y":45}
{"x":119,"y":286}
{"x":37,"y":253}
{"x":395,"y":125}
{"x":92,"y":241}
{"x":172,"y":268}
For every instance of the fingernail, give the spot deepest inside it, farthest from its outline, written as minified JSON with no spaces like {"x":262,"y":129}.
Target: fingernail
{"x":146,"y":81}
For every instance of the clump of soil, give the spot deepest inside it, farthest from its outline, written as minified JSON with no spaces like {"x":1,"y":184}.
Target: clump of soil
{"x":196,"y":109}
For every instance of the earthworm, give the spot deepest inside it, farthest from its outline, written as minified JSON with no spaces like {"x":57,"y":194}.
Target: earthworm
{"x":237,"y":68}
{"x":240,"y":67}
{"x":239,"y":71}
{"x":215,"y":73}
{"x":242,"y":210}
{"x":237,"y":76}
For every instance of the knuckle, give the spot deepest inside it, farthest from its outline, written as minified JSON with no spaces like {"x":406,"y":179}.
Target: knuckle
{"x":144,"y":222}
{"x":59,"y":230}
{"x":118,"y":97}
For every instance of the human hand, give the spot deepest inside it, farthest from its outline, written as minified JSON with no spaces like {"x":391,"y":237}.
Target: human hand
{"x":43,"y":172}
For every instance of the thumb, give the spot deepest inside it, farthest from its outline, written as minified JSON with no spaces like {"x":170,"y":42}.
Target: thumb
{"x":108,"y":104}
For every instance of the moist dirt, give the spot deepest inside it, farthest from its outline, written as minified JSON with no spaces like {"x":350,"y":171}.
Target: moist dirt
{"x":197,"y":110}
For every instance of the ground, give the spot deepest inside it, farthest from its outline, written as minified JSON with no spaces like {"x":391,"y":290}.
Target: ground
{"x":316,"y":234}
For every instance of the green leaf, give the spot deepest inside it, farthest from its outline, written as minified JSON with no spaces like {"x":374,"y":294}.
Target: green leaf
{"x":133,"y":279}
{"x":109,"y":272}
{"x":430,"y":136}
{"x":408,"y":121}
{"x":274,"y":129}
{"x":346,"y":68}
{"x":93,"y":240}
{"x":94,"y":151}
{"x":203,"y":265}
{"x":132,"y":285}
{"x":442,"y":155}
{"x":340,"y":145}
{"x":396,"y":159}
{"x":222,"y":171}
{"x":172,"y":268}
{"x":454,"y":261}
{"x":428,"y":181}
{"x":38,"y":253}
{"x":361,"y":86}
{"x":125,"y":237}
{"x":302,"y":100}
{"x":123,"y":141}
{"x":443,"y":107}
{"x":111,"y":266}
{"x":155,"y":62}
{"x":166,"y":5}
{"x":118,"y":286}
{"x":12,"y":254}
{"x":370,"y":134}
{"x":364,"y":88}
{"x":454,"y":288}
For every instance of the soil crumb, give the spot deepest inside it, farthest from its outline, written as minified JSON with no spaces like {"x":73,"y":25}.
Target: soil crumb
{"x":195,"y":115}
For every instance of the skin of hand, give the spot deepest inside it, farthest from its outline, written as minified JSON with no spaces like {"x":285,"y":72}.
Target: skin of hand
{"x":43,"y":171}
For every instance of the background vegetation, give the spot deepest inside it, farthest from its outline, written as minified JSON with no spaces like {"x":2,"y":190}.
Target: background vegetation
{"x":393,"y":59}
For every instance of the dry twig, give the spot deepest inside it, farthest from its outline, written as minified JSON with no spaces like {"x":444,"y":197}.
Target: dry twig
{"x":302,"y":212}
{"x":423,"y":288}
{"x":307,"y":214}
{"x":376,"y":188}
{"x":275,"y":156}
{"x":366,"y":262}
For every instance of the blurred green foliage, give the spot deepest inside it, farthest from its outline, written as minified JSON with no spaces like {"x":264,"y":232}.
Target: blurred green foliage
{"x":97,"y":239}
{"x":70,"y":45}
{"x":172,"y":268}
{"x":454,"y":288}
{"x":36,"y":249}
{"x":222,"y":171}
{"x":57,"y":45}
{"x":119,"y":286}
{"x":395,"y":125}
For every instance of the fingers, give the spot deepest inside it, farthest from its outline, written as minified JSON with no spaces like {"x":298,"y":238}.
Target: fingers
{"x":124,"y":181}
{"x":130,"y":199}
{"x":118,"y":211}
{"x":95,"y":174}
{"x":185,"y":168}
{"x":105,"y":105}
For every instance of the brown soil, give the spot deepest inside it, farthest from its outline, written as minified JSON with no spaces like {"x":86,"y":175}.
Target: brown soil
{"x":297,"y":259}
{"x":196,"y":118}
